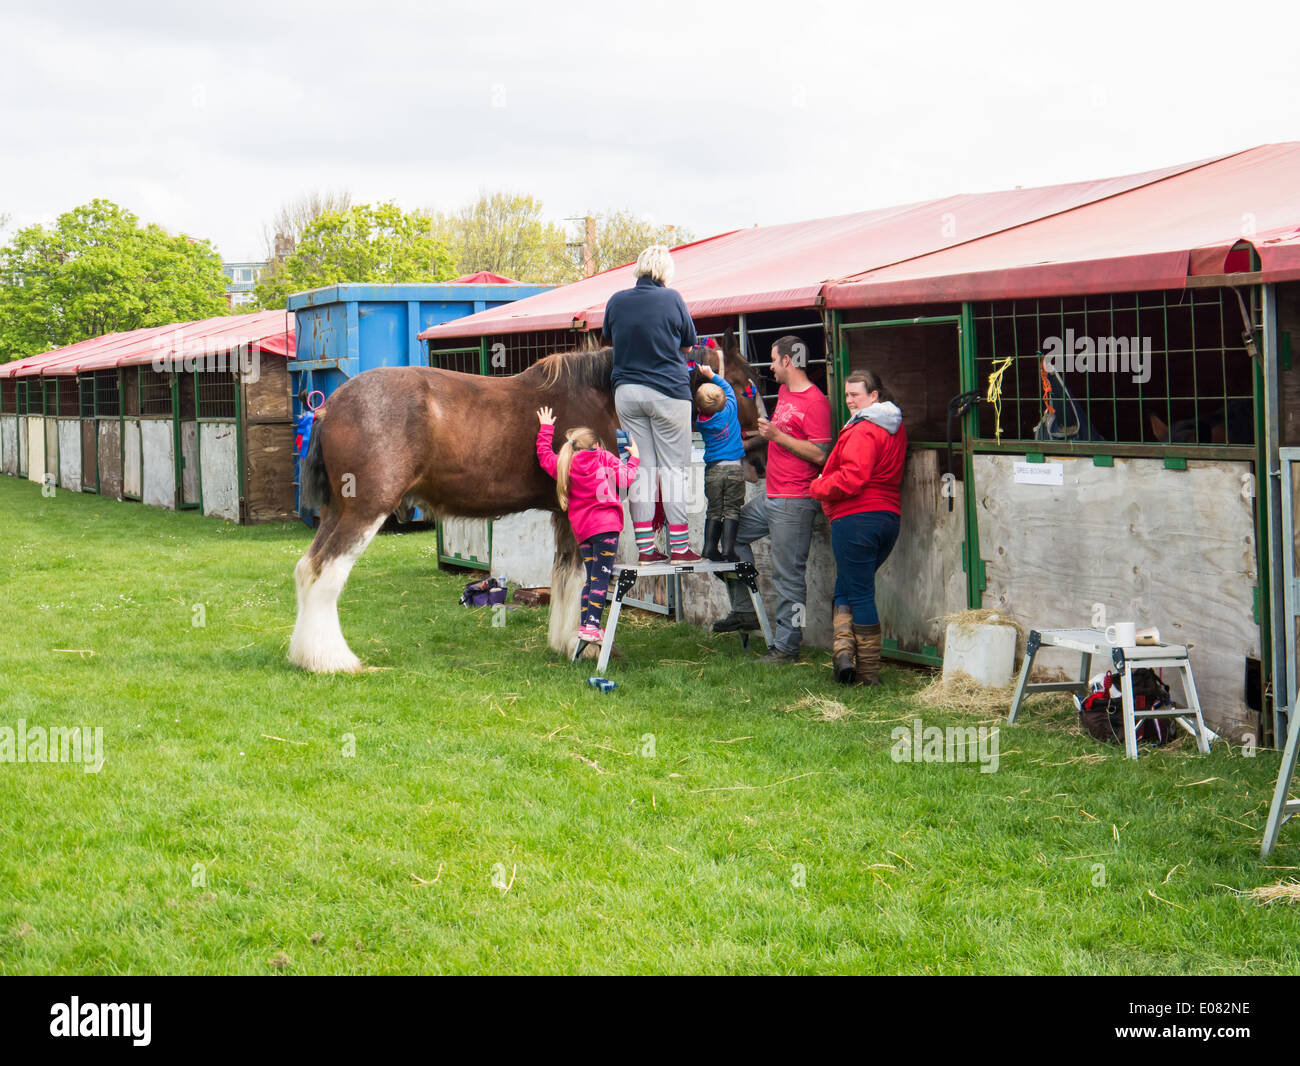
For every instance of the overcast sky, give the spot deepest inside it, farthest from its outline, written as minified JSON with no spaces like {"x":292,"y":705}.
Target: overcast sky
{"x":711,"y":116}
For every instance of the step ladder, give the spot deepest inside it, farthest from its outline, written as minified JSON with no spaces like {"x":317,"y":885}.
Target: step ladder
{"x":1090,"y":642}
{"x":627,"y":574}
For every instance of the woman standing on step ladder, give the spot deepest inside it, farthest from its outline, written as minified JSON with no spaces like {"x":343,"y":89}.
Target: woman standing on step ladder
{"x":651,"y":331}
{"x":859,"y":490}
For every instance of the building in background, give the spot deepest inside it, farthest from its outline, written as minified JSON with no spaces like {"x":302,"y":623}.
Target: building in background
{"x":241,"y":278}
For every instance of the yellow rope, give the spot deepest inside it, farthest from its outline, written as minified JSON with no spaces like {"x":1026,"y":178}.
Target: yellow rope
{"x":994,"y":395}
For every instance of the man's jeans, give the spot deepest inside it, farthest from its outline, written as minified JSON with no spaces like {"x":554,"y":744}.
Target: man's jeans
{"x":790,"y":524}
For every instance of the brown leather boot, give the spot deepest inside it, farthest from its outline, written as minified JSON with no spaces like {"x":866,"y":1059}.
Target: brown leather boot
{"x":843,"y":647}
{"x":868,"y":641}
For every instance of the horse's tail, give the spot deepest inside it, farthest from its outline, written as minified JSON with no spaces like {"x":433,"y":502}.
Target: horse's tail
{"x":314,"y":480}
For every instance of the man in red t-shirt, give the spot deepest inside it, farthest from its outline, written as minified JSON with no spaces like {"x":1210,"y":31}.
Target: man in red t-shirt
{"x":799,"y":433}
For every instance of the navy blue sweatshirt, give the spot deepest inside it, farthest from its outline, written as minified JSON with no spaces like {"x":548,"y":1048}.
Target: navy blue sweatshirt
{"x":648,"y":325}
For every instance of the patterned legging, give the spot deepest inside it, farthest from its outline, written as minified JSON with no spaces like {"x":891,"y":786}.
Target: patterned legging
{"x":598,"y":558}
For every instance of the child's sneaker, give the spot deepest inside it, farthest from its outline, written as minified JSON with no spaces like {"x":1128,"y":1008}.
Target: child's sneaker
{"x":591,"y":634}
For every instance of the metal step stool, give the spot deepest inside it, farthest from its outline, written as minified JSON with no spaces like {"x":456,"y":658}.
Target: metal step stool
{"x":1090,"y":642}
{"x":627,"y":574}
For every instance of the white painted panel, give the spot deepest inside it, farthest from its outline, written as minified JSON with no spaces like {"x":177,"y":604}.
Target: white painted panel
{"x":523,"y":548}
{"x":22,"y":447}
{"x":218,"y":458}
{"x":70,"y":454}
{"x":9,"y":445}
{"x":1173,"y":549}
{"x":466,"y":538}
{"x":36,"y":449}
{"x":158,"y":446}
{"x":131,"y":458}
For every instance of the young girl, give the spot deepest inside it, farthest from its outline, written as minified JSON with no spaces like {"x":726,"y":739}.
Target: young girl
{"x":587,"y":480}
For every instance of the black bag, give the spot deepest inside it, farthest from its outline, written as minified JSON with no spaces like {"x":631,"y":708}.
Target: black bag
{"x":1102,"y":713}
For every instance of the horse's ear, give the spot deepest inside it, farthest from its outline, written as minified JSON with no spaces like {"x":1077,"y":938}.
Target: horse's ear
{"x":729,"y":339}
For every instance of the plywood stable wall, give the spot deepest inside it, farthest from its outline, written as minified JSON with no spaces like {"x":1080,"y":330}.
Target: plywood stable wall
{"x":1169,"y":548}
{"x":219,"y":480}
{"x":158,"y":446}
{"x":9,"y":445}
{"x":110,"y":458}
{"x":268,"y":479}
{"x":22,"y":447}
{"x":189,"y":462}
{"x":36,"y":449}
{"x":922,"y":581}
{"x":52,"y":450}
{"x":69,"y":430}
{"x":523,"y":548}
{"x":89,"y":455}
{"x":467,"y":538}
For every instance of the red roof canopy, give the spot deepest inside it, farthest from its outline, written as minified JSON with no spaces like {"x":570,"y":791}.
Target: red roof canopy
{"x":1140,"y":231}
{"x":269,"y":331}
{"x":484,"y":277}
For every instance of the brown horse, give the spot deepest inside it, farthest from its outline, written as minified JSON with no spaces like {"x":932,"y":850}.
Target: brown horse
{"x":460,"y":444}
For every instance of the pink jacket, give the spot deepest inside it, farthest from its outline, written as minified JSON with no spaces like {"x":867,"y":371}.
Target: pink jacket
{"x":594,"y":480}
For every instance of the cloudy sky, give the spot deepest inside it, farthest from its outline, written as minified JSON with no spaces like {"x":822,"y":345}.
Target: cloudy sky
{"x":710,"y":115}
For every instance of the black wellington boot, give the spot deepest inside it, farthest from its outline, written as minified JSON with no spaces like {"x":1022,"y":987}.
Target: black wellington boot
{"x":712,"y":531}
{"x":727,"y":550}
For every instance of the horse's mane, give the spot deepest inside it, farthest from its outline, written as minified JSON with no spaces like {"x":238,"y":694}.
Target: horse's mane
{"x":582,"y":368}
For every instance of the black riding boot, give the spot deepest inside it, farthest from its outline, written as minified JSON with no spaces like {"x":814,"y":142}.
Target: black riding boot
{"x":712,"y":530}
{"x":727,"y":550}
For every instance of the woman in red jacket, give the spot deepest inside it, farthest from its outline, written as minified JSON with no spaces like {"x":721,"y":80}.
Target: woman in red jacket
{"x":858,"y":490}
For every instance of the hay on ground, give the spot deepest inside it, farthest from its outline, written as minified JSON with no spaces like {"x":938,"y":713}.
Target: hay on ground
{"x":1282,"y":892}
{"x":821,"y":708}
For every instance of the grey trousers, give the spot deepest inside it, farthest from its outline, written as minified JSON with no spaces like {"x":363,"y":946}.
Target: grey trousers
{"x":789,"y":523}
{"x":661,"y":427}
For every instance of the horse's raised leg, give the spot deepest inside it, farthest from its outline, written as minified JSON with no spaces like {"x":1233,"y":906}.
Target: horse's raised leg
{"x":567,"y":577}
{"x":317,"y":643}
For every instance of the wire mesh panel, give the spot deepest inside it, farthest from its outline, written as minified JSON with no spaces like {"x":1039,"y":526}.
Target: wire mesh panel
{"x":1167,"y":367}
{"x":108,"y":394}
{"x":68,"y":404}
{"x":763,"y":330}
{"x":8,"y":396}
{"x":86,"y":390}
{"x":216,"y":394}
{"x":511,"y":353}
{"x":462,"y":360}
{"x":155,"y":392}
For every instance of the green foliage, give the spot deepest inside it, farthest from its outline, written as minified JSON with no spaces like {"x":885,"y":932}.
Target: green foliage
{"x":96,"y":271}
{"x":506,"y":234}
{"x":621,"y":236}
{"x":364,"y":243}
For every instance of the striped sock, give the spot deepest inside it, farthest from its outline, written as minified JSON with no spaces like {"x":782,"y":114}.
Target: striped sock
{"x":645,"y":536}
{"x":678,"y":539}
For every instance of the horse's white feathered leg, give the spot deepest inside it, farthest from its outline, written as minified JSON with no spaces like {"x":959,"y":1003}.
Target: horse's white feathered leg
{"x":317,"y":643}
{"x":566,"y":602}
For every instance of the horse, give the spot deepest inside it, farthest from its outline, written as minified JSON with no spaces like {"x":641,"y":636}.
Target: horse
{"x":460,"y":444}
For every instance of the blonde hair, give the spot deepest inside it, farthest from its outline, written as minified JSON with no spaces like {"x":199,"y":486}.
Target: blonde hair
{"x":655,"y":262}
{"x":709,"y":398}
{"x":578,"y":439}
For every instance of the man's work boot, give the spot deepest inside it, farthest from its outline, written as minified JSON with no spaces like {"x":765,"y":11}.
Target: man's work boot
{"x":777,"y":657}
{"x":844,"y":647}
{"x":867,"y":639}
{"x":727,"y":549}
{"x":712,"y":531}
{"x":736,"y":622}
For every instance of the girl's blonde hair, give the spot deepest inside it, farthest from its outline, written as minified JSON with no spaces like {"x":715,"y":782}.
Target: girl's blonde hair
{"x":578,"y":439}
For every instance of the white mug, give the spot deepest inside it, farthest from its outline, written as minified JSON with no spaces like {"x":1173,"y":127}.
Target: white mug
{"x":1125,"y":634}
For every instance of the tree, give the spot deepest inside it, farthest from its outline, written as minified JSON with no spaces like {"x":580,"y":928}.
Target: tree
{"x":621,"y":237}
{"x":281,"y":234}
{"x":96,"y":271}
{"x":378,"y":243}
{"x":506,"y":234}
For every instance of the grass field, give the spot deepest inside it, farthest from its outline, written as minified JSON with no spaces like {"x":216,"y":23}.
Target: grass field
{"x":493,"y":813}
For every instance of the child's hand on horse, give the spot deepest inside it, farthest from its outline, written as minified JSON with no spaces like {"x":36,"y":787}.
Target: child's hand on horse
{"x":546,"y":416}
{"x":632,"y":449}
{"x":707,"y":371}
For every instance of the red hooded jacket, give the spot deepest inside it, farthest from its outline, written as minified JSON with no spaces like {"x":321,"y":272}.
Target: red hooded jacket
{"x":863,"y":471}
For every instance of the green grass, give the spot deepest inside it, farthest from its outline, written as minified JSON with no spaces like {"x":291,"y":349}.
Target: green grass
{"x":474,"y":752}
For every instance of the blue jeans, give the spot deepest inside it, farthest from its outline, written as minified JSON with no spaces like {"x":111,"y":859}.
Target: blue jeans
{"x":861,"y":543}
{"x":789,"y":523}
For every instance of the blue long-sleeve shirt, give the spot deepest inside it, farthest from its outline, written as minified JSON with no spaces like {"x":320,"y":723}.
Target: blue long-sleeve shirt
{"x":721,"y":430}
{"x":649,"y":325}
